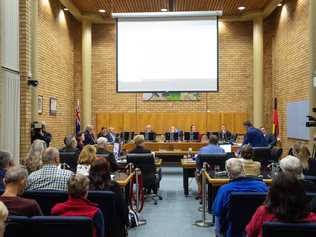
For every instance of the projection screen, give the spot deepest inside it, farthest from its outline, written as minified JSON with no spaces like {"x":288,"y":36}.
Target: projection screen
{"x":160,"y":54}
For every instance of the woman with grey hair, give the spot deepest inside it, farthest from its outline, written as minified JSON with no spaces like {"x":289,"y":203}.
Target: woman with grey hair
{"x":293,"y":166}
{"x":33,"y":160}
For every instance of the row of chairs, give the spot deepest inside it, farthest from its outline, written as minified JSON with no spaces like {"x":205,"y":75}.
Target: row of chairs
{"x":243,"y":205}
{"x":106,"y":201}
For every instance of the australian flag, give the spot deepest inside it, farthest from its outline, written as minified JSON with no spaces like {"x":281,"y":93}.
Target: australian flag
{"x":77,"y":121}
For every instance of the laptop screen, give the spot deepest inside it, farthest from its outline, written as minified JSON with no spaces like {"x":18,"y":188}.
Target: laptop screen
{"x":227,"y":147}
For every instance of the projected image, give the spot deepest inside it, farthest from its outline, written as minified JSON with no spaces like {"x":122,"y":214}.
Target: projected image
{"x":171,"y":96}
{"x":167,"y":54}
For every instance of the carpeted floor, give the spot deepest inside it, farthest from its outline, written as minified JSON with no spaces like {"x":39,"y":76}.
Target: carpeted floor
{"x":175,"y":214}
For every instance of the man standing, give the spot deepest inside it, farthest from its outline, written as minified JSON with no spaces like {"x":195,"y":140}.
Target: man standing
{"x":253,"y":136}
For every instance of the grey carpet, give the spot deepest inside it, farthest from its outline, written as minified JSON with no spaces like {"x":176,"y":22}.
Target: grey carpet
{"x":175,"y":214}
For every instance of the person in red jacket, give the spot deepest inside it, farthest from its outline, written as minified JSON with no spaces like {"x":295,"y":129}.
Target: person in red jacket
{"x":286,"y":202}
{"x":78,"y":205}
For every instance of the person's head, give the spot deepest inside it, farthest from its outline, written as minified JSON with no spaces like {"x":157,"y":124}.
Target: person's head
{"x":87,"y":155}
{"x":193,"y":128}
{"x":263,"y":130}
{"x":99,"y":174}
{"x":70,"y":141}
{"x":292,"y":166}
{"x":296,"y":149}
{"x":139,"y":140}
{"x":234,"y":168}
{"x":102,"y":142}
{"x":3,"y":217}
{"x":34,"y":157}
{"x":223,"y":128}
{"x":111,"y":130}
{"x":15,"y":179}
{"x":5,"y":159}
{"x":148,"y":128}
{"x":287,"y":199}
{"x":172,"y":129}
{"x":80,"y":136}
{"x":247,"y":124}
{"x":51,"y":156}
{"x":78,"y":186}
{"x":213,"y":139}
{"x":89,"y":129}
{"x":103,"y":130}
{"x":246,"y":152}
{"x":304,"y":155}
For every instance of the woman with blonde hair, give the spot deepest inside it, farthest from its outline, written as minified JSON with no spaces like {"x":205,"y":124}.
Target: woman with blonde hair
{"x":86,"y":158}
{"x":309,"y":164}
{"x":33,"y":159}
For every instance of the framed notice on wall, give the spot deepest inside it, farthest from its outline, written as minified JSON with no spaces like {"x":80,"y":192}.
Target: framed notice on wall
{"x":40,"y":104}
{"x":52,"y":106}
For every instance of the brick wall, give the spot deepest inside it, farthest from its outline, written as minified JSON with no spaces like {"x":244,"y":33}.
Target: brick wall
{"x":235,"y":83}
{"x":59,"y":33}
{"x":287,"y":59}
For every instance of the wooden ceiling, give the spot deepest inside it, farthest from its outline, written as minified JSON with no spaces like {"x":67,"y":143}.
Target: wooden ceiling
{"x":229,"y":7}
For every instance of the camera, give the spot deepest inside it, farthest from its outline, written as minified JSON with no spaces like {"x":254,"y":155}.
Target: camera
{"x":311,"y":120}
{"x":32,"y":83}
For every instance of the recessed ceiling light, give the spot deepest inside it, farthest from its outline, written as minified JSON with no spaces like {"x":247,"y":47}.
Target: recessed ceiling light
{"x":66,"y":9}
{"x":101,"y":10}
{"x":279,"y":5}
{"x":164,"y":9}
{"x":241,"y":8}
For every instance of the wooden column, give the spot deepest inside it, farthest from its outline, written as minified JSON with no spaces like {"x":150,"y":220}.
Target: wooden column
{"x":34,"y":59}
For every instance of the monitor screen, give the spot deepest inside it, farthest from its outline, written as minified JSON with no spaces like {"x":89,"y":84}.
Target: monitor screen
{"x":227,"y":147}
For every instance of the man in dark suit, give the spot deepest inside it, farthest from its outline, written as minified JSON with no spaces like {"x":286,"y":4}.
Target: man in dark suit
{"x":149,"y":134}
{"x":270,"y":139}
{"x":224,"y":135}
{"x":111,"y":135}
{"x":89,"y":137}
{"x":254,"y":136}
{"x":139,"y":141}
{"x":102,"y":149}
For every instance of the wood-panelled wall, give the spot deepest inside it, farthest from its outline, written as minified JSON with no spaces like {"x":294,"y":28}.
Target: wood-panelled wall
{"x":161,"y":122}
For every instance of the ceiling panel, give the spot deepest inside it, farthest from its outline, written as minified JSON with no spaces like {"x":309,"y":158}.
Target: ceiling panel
{"x":229,"y":7}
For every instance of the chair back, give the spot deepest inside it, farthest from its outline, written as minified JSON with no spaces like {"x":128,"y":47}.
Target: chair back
{"x":103,"y":155}
{"x":70,"y":158}
{"x":212,"y":160}
{"x":279,"y":229}
{"x":49,"y":226}
{"x":263,"y":155}
{"x":242,"y":206}
{"x":127,"y":136}
{"x":47,"y":199}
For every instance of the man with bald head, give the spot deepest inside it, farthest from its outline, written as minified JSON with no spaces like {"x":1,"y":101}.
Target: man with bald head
{"x":49,"y":177}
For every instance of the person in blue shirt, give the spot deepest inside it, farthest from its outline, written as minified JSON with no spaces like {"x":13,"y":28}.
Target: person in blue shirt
{"x":211,"y":148}
{"x":254,"y":136}
{"x":238,"y":183}
{"x":5,"y":163}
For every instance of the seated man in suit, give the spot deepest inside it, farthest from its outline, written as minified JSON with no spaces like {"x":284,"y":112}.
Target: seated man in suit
{"x":270,"y":139}
{"x":239,"y":183}
{"x":111,"y":135}
{"x":149,"y":134}
{"x":139,"y":145}
{"x":253,"y":136}
{"x":89,"y":137}
{"x":173,"y":133}
{"x":102,"y":149}
{"x":224,"y":135}
{"x":103,"y":132}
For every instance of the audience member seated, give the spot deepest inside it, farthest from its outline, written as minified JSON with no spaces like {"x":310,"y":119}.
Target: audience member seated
{"x":33,"y":159}
{"x":102,"y":149}
{"x":49,"y":177}
{"x":286,"y":202}
{"x":239,"y":183}
{"x":79,"y":205}
{"x":103,"y":132}
{"x":15,"y":180}
{"x":86,"y":157}
{"x":139,"y":145}
{"x":292,"y":165}
{"x":70,"y":144}
{"x":295,"y":150}
{"x":80,"y":140}
{"x":100,"y":180}
{"x":270,"y":138}
{"x":89,"y":136}
{"x":5,"y":159}
{"x":3,"y":217}
{"x":253,"y":136}
{"x":308,"y":163}
{"x":111,"y":136}
{"x":251,"y":167}
{"x":224,"y":135}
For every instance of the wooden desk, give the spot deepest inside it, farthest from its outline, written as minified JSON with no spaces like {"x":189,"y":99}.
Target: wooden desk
{"x":122,"y":165}
{"x":123,"y":179}
{"x":188,"y":167}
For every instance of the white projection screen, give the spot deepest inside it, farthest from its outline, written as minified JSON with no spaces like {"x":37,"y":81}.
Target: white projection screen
{"x":162,"y":54}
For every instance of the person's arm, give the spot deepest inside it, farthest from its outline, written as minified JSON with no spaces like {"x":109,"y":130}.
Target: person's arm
{"x":255,"y":224}
{"x":246,"y":139}
{"x":273,"y":140}
{"x":36,"y":210}
{"x":98,"y":221}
